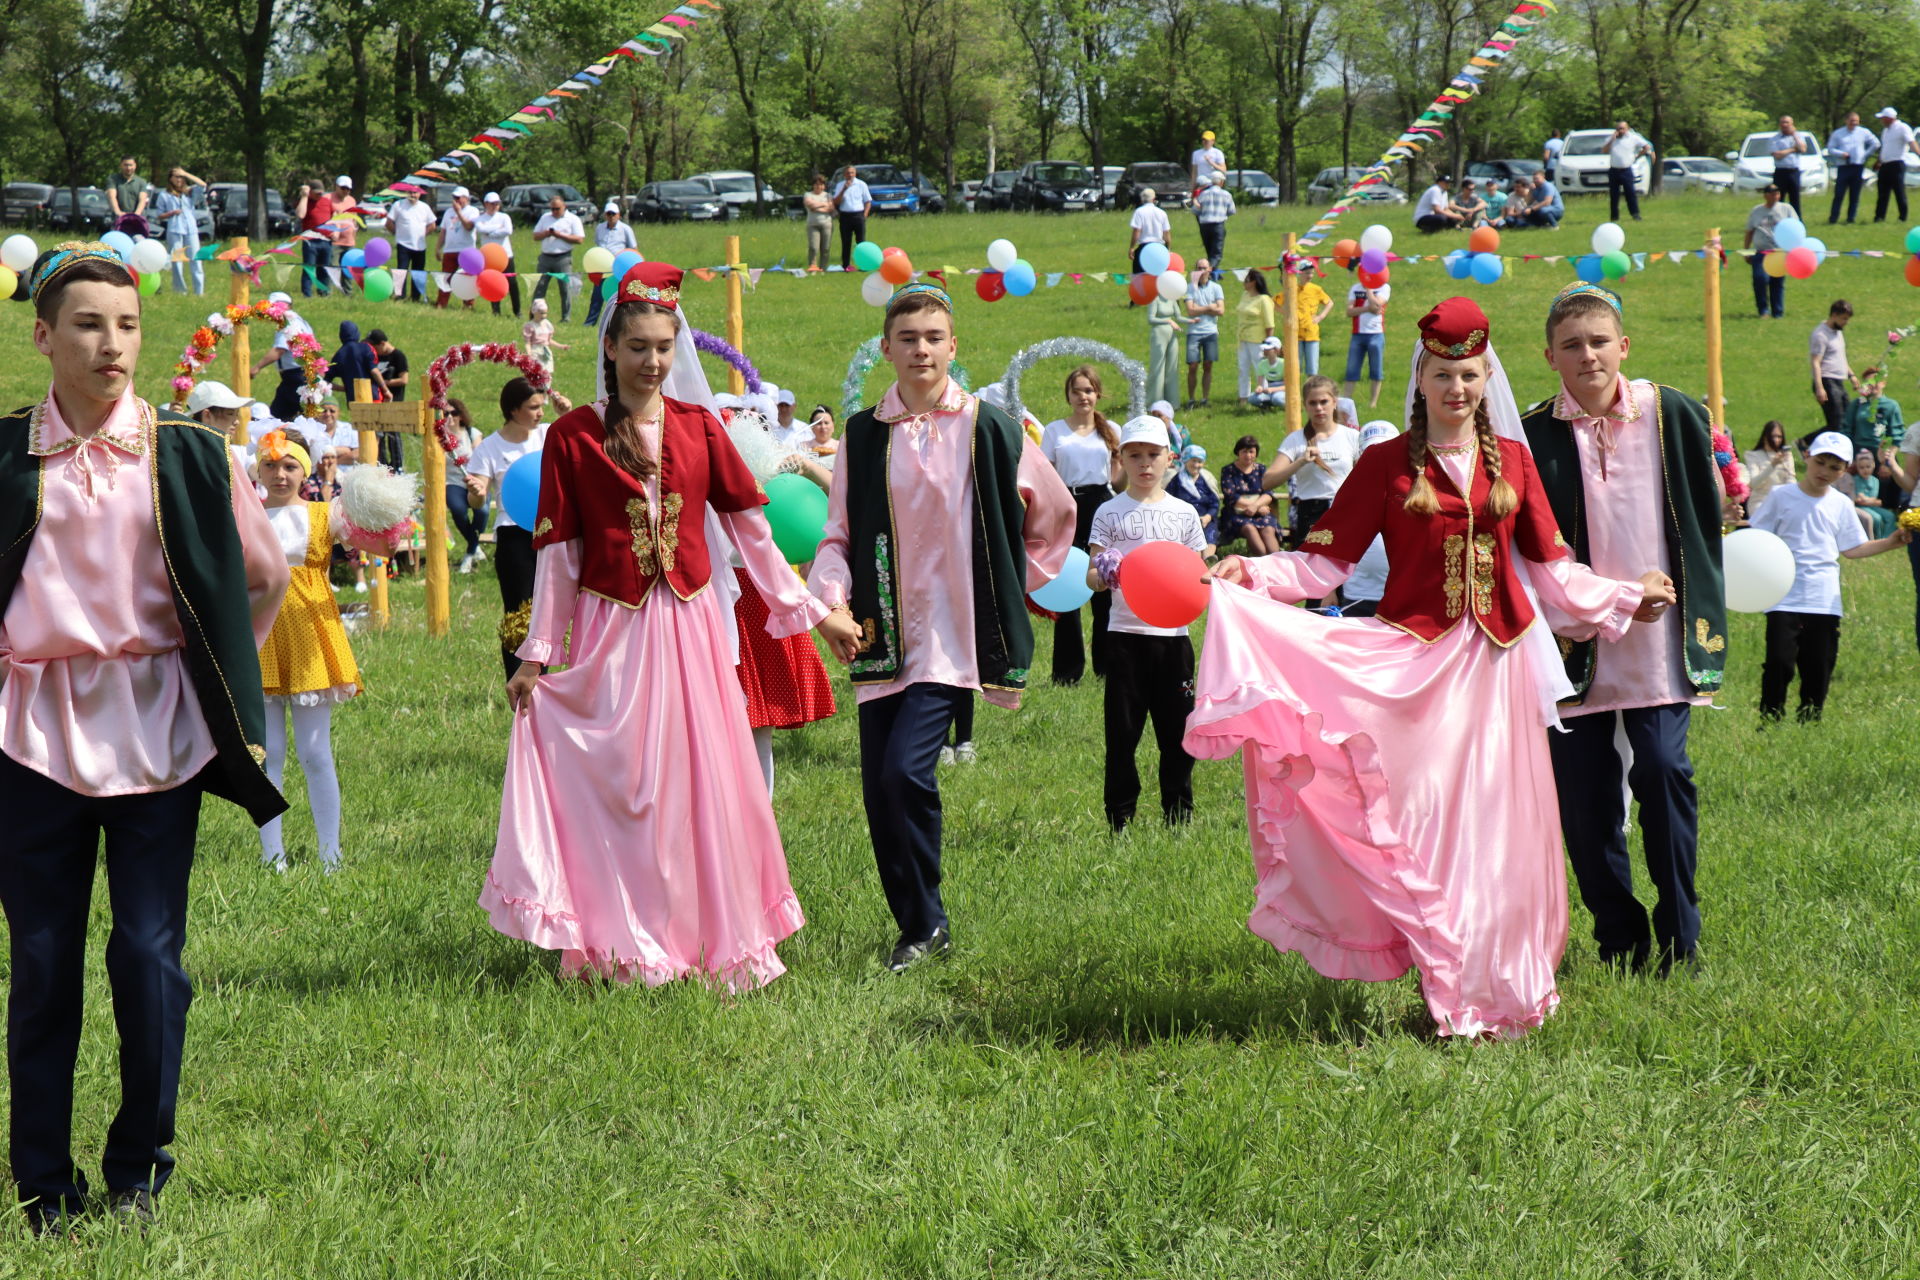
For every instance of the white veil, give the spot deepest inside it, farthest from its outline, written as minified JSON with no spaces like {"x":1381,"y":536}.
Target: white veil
{"x":687,"y":382}
{"x":1550,"y":681}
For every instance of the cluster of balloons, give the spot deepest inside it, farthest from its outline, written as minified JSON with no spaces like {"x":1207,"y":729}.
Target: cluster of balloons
{"x":888,"y":269}
{"x":1480,"y":261}
{"x":1609,"y":260}
{"x":1162,"y":274}
{"x":1798,"y":254}
{"x":1913,"y":263}
{"x":482,"y":273}
{"x":605,"y":269}
{"x":17,"y":255}
{"x":1164,"y":583}
{"x":1009,"y":274}
{"x":1372,"y":252}
{"x":376,"y":282}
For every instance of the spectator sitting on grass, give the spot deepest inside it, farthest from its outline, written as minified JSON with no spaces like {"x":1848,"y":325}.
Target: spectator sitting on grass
{"x":1436,"y":212}
{"x":1471,"y":208}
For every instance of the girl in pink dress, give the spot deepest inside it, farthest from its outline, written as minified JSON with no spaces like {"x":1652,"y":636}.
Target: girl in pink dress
{"x":1400,"y":797}
{"x":635,"y":835}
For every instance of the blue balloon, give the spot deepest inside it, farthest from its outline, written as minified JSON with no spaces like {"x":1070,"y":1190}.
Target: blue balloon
{"x":1817,"y":245}
{"x":1487,"y":268}
{"x":1069,"y":591}
{"x":1459,"y":264}
{"x":1020,"y":278}
{"x":520,"y":491}
{"x":1789,"y":233}
{"x":625,"y":262}
{"x":354,"y":259}
{"x":1154,"y":259}
{"x":120,"y":242}
{"x":1588,"y":268}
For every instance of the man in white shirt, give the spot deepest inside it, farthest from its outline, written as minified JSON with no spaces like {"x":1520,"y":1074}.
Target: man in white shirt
{"x":616,"y":237}
{"x":412,"y":221}
{"x":496,"y":227}
{"x":1623,"y":148}
{"x":1435,"y":211}
{"x":1206,"y":161}
{"x":854,"y":203}
{"x":1847,"y":150}
{"x":1788,"y":146}
{"x":456,"y":233}
{"x":556,"y":233}
{"x":1148,"y":225}
{"x":1896,"y":139}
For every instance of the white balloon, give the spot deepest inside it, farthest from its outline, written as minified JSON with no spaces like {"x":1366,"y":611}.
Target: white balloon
{"x":149,"y":256}
{"x":1758,"y":568}
{"x":1001,"y":254}
{"x":876,"y":290}
{"x":18,"y":253}
{"x":1172,"y":285}
{"x":1376,"y":237}
{"x":466,"y":287}
{"x":1608,"y":238}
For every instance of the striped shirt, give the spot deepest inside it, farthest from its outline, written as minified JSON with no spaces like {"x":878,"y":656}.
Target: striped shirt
{"x":1213,"y":204}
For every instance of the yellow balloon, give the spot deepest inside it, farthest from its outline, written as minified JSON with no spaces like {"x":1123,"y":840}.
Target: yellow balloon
{"x":9,"y":281}
{"x":597,"y":261}
{"x":1775,"y":263}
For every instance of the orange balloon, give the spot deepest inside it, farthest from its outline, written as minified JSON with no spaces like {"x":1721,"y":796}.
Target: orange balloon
{"x":1346,"y":251}
{"x":1913,"y":271}
{"x":896,"y":269}
{"x":1484,"y":240}
{"x":495,"y":256}
{"x":1143,"y":288}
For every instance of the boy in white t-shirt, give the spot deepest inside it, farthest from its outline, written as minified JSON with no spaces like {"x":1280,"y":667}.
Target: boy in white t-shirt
{"x":1803,"y":631}
{"x":1149,"y":669}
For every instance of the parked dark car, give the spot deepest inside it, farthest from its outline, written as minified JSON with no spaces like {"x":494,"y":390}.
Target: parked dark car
{"x":892,"y":191}
{"x":678,"y":202}
{"x":228,"y":203}
{"x":996,"y":193}
{"x":1253,"y":186}
{"x":96,"y":215}
{"x":1505,"y":170}
{"x":737,"y":188}
{"x":931,"y":201}
{"x":1170,"y":183}
{"x":526,"y":201}
{"x":1055,"y":186}
{"x":24,"y":204}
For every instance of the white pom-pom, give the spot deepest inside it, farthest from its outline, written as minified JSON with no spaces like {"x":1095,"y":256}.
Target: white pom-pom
{"x":752,"y":435}
{"x":376,"y":505}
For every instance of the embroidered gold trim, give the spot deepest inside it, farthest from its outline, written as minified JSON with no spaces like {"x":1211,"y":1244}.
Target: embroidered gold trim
{"x":1483,"y":573}
{"x":1454,"y":552}
{"x":1559,"y":539}
{"x":640,"y":525}
{"x":636,"y":291}
{"x":1566,"y":647}
{"x":1456,"y":350}
{"x":1708,"y":641}
{"x":515,"y":625}
{"x":544,"y":527}
{"x":1321,"y":536}
{"x":142,"y":432}
{"x":667,"y":538}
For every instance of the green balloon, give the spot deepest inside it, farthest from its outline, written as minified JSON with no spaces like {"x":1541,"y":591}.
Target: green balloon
{"x":1913,"y":240}
{"x":797,"y":512}
{"x":608,"y":288}
{"x":149,"y":284}
{"x":377,"y":284}
{"x":867,"y":256}
{"x":1615,"y":265}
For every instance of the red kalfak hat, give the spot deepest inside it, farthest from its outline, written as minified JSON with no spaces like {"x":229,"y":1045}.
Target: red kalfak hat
{"x":651,"y":282}
{"x":1456,"y":329}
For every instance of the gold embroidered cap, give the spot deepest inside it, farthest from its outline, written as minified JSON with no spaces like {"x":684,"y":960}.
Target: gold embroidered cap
{"x":1456,"y":329}
{"x":651,"y":282}
{"x":70,"y":253}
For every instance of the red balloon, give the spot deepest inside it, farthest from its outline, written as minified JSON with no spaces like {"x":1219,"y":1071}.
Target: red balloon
{"x":493,"y":285}
{"x":895,"y":269}
{"x":990,"y":285}
{"x":1176,"y":263}
{"x":1346,"y":251}
{"x":1143,"y":288}
{"x":1913,"y":271}
{"x":1165,"y":583}
{"x":1802,"y":262}
{"x":1372,"y":279}
{"x":889,"y":251}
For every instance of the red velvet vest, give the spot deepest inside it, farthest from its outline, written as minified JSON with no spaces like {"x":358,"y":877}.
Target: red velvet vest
{"x":629,"y":542}
{"x":1453,"y":565}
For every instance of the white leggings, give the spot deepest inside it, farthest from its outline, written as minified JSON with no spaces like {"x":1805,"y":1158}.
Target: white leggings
{"x":763,"y":747}
{"x":313,"y":743}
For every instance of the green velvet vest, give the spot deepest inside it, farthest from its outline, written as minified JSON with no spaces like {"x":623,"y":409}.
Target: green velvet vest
{"x":1692,"y":511}
{"x":1002,"y":633}
{"x":193,"y":505}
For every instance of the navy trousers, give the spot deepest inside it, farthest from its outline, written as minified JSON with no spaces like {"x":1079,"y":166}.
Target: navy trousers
{"x":1913,"y":558}
{"x":1593,"y":818}
{"x":46,"y":888}
{"x":900,"y":740}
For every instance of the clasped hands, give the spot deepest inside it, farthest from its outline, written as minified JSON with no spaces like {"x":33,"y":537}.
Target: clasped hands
{"x":1659,"y":593}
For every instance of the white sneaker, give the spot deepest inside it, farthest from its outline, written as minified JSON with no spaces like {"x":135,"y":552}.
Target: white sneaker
{"x":480,"y":557}
{"x":964,"y":754}
{"x":361,"y":587}
{"x":946,"y":755}
{"x":466,"y":564}
{"x":276,"y":865}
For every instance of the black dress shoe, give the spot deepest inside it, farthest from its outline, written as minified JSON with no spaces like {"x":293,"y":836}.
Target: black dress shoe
{"x":1686,"y":962}
{"x":907,"y":954}
{"x":132,"y":1208}
{"x":49,"y":1221}
{"x":1628,"y":959}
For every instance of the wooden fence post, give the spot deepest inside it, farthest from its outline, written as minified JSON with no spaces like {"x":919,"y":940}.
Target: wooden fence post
{"x":370,"y":457}
{"x":1716,"y":398}
{"x":1290,"y":333}
{"x":413,"y":418}
{"x":736,"y":316}
{"x":239,"y":293}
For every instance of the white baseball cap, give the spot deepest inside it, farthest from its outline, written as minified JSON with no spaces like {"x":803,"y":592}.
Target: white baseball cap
{"x":1161,"y":408}
{"x":1376,"y":431}
{"x":1219,"y":179}
{"x":343,"y":181}
{"x":1270,"y":343}
{"x":492,"y":197}
{"x":214,"y":395}
{"x":1145,"y":429}
{"x":1886,"y":113}
{"x":613,"y":206}
{"x":462,"y":192}
{"x":280,"y":297}
{"x":1833,"y":444}
{"x":786,"y":397}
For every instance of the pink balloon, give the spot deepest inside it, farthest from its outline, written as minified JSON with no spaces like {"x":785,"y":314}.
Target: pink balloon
{"x":1802,"y":262}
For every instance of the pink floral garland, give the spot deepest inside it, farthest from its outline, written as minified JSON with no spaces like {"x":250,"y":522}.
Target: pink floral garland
{"x":440,"y":378}
{"x":204,"y":345}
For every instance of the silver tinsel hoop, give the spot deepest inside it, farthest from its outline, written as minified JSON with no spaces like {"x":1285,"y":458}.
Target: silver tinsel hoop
{"x":853,"y":390}
{"x":1083,"y":349}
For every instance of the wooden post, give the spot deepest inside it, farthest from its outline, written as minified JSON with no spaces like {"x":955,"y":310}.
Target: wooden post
{"x":370,"y":457}
{"x":415,"y":418}
{"x":1716,"y":398}
{"x":736,"y":318}
{"x":239,"y":293}
{"x":1290,"y":333}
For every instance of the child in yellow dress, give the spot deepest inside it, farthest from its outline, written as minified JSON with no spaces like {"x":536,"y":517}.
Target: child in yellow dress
{"x":306,"y":664}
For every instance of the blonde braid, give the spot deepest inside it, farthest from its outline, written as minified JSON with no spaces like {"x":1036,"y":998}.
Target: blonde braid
{"x":1501,"y":500}
{"x":1421,"y":499}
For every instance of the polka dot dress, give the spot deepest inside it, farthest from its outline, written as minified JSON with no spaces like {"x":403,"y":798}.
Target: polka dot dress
{"x":785,"y":682}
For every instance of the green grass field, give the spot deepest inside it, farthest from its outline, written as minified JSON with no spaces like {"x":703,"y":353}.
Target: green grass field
{"x":1112,"y":1077}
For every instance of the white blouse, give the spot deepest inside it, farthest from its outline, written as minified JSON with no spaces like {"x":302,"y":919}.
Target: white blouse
{"x":1080,"y":459}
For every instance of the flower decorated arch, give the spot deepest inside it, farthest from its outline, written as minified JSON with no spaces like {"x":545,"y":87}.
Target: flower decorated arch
{"x":440,"y":380}
{"x":853,"y":390}
{"x":204,"y":346}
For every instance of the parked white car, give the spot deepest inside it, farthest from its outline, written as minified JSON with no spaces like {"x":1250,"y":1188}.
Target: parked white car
{"x":1583,"y":165}
{"x":1696,"y":173}
{"x":1753,"y":165}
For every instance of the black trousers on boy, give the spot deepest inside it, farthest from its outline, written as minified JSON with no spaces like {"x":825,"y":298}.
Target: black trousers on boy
{"x":1148,"y":677}
{"x":1806,"y":643}
{"x":900,"y":740}
{"x":46,"y":888}
{"x":1593,"y":819}
{"x":1069,"y":649}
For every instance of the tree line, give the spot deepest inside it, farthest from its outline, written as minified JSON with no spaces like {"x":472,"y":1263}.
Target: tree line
{"x":274,"y":92}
